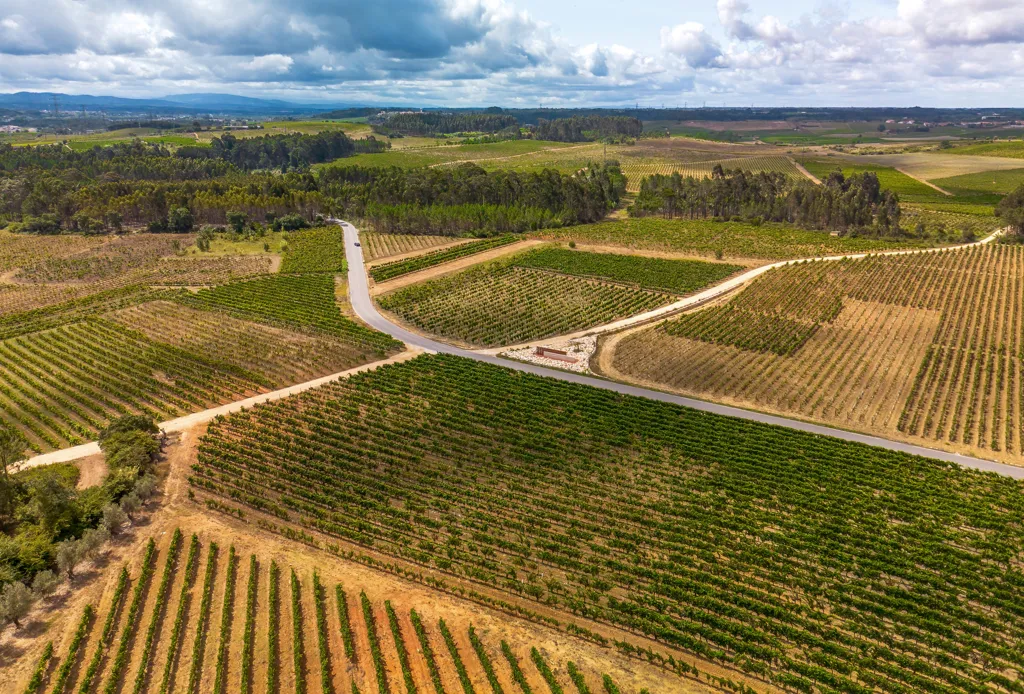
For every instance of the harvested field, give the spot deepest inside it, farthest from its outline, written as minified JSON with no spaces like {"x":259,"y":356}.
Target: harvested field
{"x":924,"y":346}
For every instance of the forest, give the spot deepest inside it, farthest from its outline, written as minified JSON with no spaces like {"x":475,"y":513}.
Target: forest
{"x":466,"y":198}
{"x":51,"y":189}
{"x":428,"y":124}
{"x":846,"y":203}
{"x":588,"y":128}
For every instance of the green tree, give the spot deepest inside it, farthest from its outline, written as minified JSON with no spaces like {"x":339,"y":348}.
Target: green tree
{"x":15,"y":602}
{"x":236,"y":220}
{"x":180,"y":220}
{"x":12,"y":449}
{"x":1011,"y":210}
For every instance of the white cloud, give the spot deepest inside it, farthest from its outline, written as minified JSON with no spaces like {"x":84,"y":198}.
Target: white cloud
{"x":691,"y":42}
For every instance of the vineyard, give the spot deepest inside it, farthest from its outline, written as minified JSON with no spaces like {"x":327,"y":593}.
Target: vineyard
{"x":397,"y":268}
{"x":673,"y":276}
{"x":62,"y":386}
{"x":377,"y":246}
{"x":195,"y":616}
{"x":732,"y":239}
{"x":302,"y":302}
{"x":876,"y":571}
{"x":281,"y":356}
{"x":926,"y":344}
{"x":501,"y":304}
{"x":321,"y":249}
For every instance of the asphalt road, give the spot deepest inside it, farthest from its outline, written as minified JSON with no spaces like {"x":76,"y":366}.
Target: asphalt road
{"x":362,"y":304}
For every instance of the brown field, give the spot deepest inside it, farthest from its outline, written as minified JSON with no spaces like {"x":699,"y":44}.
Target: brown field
{"x":926,"y":347}
{"x":933,"y":165}
{"x":56,"y":619}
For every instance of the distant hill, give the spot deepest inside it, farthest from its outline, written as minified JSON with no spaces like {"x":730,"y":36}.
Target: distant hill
{"x":167,"y":105}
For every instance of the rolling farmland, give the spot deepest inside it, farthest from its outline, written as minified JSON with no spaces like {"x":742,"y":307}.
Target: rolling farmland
{"x":190,"y":614}
{"x":649,"y":516}
{"x":925,"y":345}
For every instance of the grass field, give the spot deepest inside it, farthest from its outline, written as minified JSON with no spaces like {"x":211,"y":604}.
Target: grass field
{"x":998,"y":183}
{"x":273,"y":242}
{"x":637,"y":169}
{"x":909,"y":189}
{"x":732,"y":239}
{"x":193,"y":614}
{"x":650,"y":516}
{"x":926,"y":345}
{"x":1009,"y":149}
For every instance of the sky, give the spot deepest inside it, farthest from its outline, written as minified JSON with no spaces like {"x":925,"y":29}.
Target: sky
{"x":524,"y":53}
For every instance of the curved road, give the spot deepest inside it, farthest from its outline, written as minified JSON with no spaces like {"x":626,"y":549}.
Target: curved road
{"x":362,"y":304}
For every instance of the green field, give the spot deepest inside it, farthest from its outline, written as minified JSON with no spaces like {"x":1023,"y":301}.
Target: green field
{"x":674,"y":276}
{"x":994,"y":183}
{"x":732,"y":239}
{"x":909,"y":189}
{"x":814,"y":563}
{"x":1012,"y":149}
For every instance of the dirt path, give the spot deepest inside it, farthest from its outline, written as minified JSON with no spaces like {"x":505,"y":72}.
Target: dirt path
{"x":921,"y":180}
{"x":189,"y":421}
{"x":804,"y":171}
{"x":451,"y":267}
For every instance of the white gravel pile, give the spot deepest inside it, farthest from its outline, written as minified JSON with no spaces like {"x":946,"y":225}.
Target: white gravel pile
{"x":579,"y":348}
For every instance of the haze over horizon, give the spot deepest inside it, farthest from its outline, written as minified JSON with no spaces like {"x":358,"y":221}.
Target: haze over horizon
{"x":524,"y":52}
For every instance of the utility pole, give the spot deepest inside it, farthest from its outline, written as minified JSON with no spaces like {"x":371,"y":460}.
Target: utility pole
{"x":56,"y":106}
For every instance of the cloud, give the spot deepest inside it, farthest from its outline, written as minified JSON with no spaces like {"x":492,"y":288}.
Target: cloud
{"x":477,"y":52}
{"x":691,"y":42}
{"x":963,"y":22}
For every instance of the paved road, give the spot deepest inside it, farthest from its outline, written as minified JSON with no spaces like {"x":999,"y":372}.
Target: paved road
{"x":362,"y":304}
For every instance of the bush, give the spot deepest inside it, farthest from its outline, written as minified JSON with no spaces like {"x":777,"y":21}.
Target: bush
{"x":45,"y":583}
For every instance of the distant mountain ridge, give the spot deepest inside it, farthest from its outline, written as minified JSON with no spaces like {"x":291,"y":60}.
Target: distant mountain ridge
{"x":174,"y":103}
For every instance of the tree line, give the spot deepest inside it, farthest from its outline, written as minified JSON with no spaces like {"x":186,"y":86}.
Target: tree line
{"x":429,"y":124}
{"x":289,"y":151}
{"x":455,"y":200}
{"x":588,"y":128}
{"x":845,"y":203}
